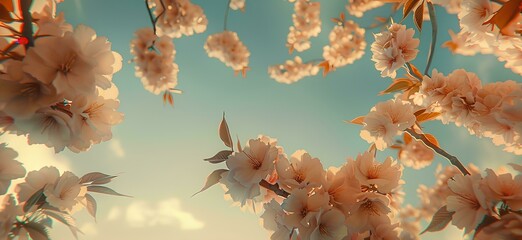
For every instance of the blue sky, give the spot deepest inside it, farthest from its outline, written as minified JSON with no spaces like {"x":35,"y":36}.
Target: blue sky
{"x":158,"y":150}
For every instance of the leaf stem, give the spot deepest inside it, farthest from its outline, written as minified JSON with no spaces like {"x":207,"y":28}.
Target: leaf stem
{"x":433,"y":20}
{"x":452,"y":159}
{"x":27,"y":25}
{"x":226,"y":15}
{"x":274,"y":188}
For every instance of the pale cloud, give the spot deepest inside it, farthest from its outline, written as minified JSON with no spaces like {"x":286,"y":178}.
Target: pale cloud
{"x":33,"y":157}
{"x":89,"y":229}
{"x":114,"y":214}
{"x":164,"y":213}
{"x":116,"y":148}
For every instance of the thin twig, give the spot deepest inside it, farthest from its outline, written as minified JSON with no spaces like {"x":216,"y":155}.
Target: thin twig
{"x":381,"y":24}
{"x":226,"y":15}
{"x":433,"y":20}
{"x":452,"y":159}
{"x":274,"y":188}
{"x":27,"y":25}
{"x":152,"y":20}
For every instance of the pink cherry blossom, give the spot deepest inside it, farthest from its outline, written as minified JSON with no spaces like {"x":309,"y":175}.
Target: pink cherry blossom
{"x":382,"y":177}
{"x":307,"y":24}
{"x":301,"y":171}
{"x":347,"y":44}
{"x":179,"y":17}
{"x":292,"y":71}
{"x":227,"y":47}
{"x":10,"y":169}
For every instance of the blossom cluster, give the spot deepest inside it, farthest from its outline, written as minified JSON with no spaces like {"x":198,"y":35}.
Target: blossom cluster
{"x":154,"y":59}
{"x":297,"y":193}
{"x":292,"y":71}
{"x":477,"y":19}
{"x":307,"y":24}
{"x":394,"y":48}
{"x":175,"y":18}
{"x":59,"y":91}
{"x":237,"y":4}
{"x":347,"y":44}
{"x":491,"y":110}
{"x":44,"y":196}
{"x":227,"y":47}
{"x":359,"y":7}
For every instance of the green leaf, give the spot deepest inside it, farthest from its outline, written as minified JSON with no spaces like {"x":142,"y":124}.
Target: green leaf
{"x":37,"y":197}
{"x":212,"y":179}
{"x":439,"y":221}
{"x":219,"y":157}
{"x":224,"y":133}
{"x":104,"y":190}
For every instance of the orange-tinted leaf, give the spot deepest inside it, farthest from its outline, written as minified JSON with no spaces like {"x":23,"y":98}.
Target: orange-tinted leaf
{"x":224,"y":133}
{"x":416,"y":71}
{"x":170,"y":99}
{"x":506,"y":16}
{"x":8,"y":4}
{"x":408,"y":7}
{"x":343,"y":18}
{"x":406,"y":137}
{"x":390,"y":1}
{"x":396,"y":146}
{"x":290,"y":48}
{"x":427,"y":116}
{"x":381,"y":19}
{"x":244,"y":71}
{"x":164,"y":97}
{"x":439,"y":221}
{"x":325,"y":65}
{"x":239,"y":148}
{"x":418,"y":17}
{"x":432,"y":139}
{"x":5,"y":15}
{"x":397,"y":85}
{"x":358,"y":120}
{"x":419,"y":112}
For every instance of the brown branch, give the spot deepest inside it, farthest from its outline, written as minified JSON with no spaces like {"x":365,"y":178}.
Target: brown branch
{"x":27,"y":25}
{"x":274,"y":188}
{"x":452,"y":159}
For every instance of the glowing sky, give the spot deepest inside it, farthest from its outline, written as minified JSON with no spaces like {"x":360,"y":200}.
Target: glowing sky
{"x":158,"y":150}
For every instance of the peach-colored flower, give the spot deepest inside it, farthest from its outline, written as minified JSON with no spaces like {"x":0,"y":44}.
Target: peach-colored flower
{"x":237,"y":5}
{"x":64,"y":192}
{"x":272,"y":220}
{"x":253,"y":164}
{"x":347,"y":44}
{"x":307,"y":24}
{"x":292,"y":71}
{"x":227,"y":47}
{"x":385,"y":121}
{"x":48,"y":126}
{"x":9,"y":168}
{"x":93,"y":117}
{"x":503,"y":187}
{"x":302,"y":171}
{"x":385,"y":231}
{"x":75,"y":63}
{"x":393,"y":48}
{"x":328,"y":225}
{"x":381,"y":177}
{"x":467,"y":201}
{"x":368,"y":213}
{"x":416,"y":155}
{"x":35,"y":181}
{"x":302,"y":207}
{"x":359,"y":7}
{"x":48,"y":23}
{"x":179,"y":17}
{"x":460,"y":44}
{"x":474,"y":13}
{"x":24,"y":94}
{"x":342,"y":186}
{"x":508,"y":227}
{"x":154,"y":58}
{"x":238,"y":192}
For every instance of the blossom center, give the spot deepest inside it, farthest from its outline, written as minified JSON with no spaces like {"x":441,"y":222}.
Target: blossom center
{"x":67,"y":65}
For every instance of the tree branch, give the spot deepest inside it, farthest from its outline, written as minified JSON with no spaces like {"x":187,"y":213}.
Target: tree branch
{"x":274,"y":188}
{"x":226,"y":15}
{"x":433,"y":20}
{"x":452,"y":159}
{"x":27,"y":25}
